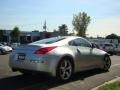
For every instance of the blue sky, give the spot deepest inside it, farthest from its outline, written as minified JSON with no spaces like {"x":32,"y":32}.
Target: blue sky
{"x":30,"y":15}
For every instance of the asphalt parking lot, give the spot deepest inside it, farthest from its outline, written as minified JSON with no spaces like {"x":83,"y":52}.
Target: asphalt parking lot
{"x":81,"y":81}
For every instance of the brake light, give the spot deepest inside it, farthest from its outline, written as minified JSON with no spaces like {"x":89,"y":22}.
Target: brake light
{"x":44,"y":50}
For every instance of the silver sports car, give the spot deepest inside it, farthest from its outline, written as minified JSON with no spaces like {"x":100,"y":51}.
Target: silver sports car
{"x":59,"y":56}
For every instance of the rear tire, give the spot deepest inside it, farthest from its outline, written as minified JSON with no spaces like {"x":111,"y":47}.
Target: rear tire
{"x":107,"y":63}
{"x":64,"y":69}
{"x":1,"y":52}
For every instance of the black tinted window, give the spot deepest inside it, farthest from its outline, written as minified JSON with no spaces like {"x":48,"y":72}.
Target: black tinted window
{"x":108,"y":45}
{"x":80,"y":42}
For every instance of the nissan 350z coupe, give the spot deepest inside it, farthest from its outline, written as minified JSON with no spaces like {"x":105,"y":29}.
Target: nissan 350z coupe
{"x":59,"y":56}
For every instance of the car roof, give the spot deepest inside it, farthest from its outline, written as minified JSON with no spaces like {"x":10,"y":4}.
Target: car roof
{"x":72,"y":37}
{"x":67,"y":39}
{"x":61,"y":42}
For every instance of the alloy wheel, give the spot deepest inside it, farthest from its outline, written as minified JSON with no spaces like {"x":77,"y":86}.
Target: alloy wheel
{"x":107,"y":63}
{"x":65,"y":70}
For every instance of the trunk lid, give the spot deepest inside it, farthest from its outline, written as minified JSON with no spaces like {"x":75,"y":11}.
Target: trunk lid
{"x":30,"y":48}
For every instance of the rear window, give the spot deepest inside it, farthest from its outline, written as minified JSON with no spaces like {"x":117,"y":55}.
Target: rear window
{"x":49,"y":40}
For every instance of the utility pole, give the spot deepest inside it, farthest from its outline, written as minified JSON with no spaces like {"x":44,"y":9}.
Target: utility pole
{"x":44,"y":26}
{"x":45,"y":30}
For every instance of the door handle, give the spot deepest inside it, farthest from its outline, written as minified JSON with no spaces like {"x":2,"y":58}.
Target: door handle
{"x":78,"y":51}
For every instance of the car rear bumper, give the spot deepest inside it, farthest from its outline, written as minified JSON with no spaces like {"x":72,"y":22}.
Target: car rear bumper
{"x":30,"y":65}
{"x":37,"y":64}
{"x":31,"y":72}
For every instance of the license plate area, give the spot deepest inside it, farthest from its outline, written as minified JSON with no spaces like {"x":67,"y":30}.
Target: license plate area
{"x":21,"y":56}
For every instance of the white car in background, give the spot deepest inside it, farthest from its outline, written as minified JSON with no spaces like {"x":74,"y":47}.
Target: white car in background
{"x":15,"y":45}
{"x":4,"y":49}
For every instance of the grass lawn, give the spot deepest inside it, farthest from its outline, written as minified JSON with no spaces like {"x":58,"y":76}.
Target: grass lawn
{"x":113,"y":86}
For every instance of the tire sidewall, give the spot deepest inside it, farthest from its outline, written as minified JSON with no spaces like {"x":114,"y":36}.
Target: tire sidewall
{"x":0,"y":52}
{"x":58,"y":70}
{"x":106,"y":58}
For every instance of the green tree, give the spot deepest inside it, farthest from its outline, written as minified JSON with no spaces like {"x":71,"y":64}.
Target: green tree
{"x":63,"y":30}
{"x":119,"y":39}
{"x":15,"y":34}
{"x":1,"y":35}
{"x":55,"y":30}
{"x":80,"y":23}
{"x":112,"y":36}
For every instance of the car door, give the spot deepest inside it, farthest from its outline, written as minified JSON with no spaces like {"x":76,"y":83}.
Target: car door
{"x":86,"y":54}
{"x":83,"y":57}
{"x":96,"y":57}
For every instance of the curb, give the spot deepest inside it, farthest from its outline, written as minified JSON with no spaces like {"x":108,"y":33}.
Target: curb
{"x":109,"y":82}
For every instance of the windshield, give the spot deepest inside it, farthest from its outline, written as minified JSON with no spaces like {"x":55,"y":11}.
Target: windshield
{"x":49,"y":40}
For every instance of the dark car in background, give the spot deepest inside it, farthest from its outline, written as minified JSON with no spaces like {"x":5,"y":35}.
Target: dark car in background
{"x":95,"y":45}
{"x":117,"y":49}
{"x":108,"y":47}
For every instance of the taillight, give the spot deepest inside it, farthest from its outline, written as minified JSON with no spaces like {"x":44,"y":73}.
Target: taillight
{"x":44,"y":50}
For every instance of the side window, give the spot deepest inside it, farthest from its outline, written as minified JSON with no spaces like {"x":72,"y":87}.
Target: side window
{"x":75,"y":43}
{"x":80,"y":42}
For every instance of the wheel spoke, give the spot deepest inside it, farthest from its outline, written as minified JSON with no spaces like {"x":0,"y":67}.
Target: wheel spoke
{"x":65,"y":69}
{"x":63,"y":75}
{"x":66,"y":63}
{"x":62,"y":68}
{"x":68,"y":68}
{"x":67,"y":74}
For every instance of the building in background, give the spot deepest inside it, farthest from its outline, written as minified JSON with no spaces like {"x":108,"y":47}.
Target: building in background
{"x":27,"y":37}
{"x":6,"y":36}
{"x":103,"y":40}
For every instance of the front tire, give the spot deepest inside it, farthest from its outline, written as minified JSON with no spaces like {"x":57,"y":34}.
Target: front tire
{"x":107,"y":63}
{"x":64,"y":69}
